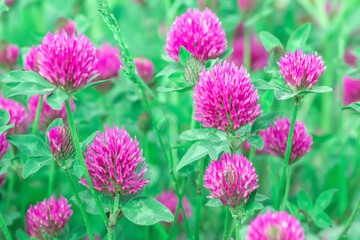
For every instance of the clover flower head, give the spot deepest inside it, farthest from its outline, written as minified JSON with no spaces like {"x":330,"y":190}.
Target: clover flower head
{"x":115,"y":163}
{"x":275,"y":226}
{"x":18,"y":115}
{"x":301,"y":71}
{"x":198,"y":32}
{"x":48,"y":217}
{"x":61,"y":143}
{"x":170,"y":200}
{"x":145,"y":69}
{"x":231,"y":179}
{"x":224,"y":98}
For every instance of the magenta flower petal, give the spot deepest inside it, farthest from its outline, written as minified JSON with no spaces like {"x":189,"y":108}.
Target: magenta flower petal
{"x":115,"y":162}
{"x":199,"y":32}
{"x":47,"y":113}
{"x":109,"y":64}
{"x":145,"y":69}
{"x":224,"y":98}
{"x":301,"y":71}
{"x":67,"y":62}
{"x":48,"y":217}
{"x":61,"y":143}
{"x":170,"y":200}
{"x":231,"y":179}
{"x":246,"y":5}
{"x":275,"y":226}
{"x":349,"y":57}
{"x":351,"y":90}
{"x":18,"y":115}
{"x":276,"y":136}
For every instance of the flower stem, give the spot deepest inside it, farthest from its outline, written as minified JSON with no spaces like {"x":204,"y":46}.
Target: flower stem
{"x":82,"y":162}
{"x":227,"y":223}
{"x":199,"y":198}
{"x":252,"y":154}
{"x":51,"y":178}
{"x":10,"y":188}
{"x":113,"y":217}
{"x":287,"y":189}
{"x":237,"y":228}
{"x":4,"y":228}
{"x":350,"y":221}
{"x":37,"y":116}
{"x":80,"y":204}
{"x":247,"y":48}
{"x":287,"y":156}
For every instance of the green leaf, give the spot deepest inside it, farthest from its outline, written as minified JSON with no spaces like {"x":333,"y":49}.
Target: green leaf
{"x":320,"y":89}
{"x":29,"y":89}
{"x":6,"y":128}
{"x":183,"y":55}
{"x":250,"y":209}
{"x":267,"y":100}
{"x":78,"y":170}
{"x":146,"y":211}
{"x":169,"y":69}
{"x":87,"y":141}
{"x":29,"y":77}
{"x":216,"y":147}
{"x":227,"y":53}
{"x":304,"y":202}
{"x":78,"y":232}
{"x":293,"y":209}
{"x":269,"y":41}
{"x":256,"y":141}
{"x":56,"y":99}
{"x":299,"y":37}
{"x":322,"y":220}
{"x":263,"y":123}
{"x":4,"y":117}
{"x":353,"y":106}
{"x":213,"y":202}
{"x":283,"y":95}
{"x":10,"y":217}
{"x":21,"y":235}
{"x":195,"y":152}
{"x":198,"y":134}
{"x":260,"y":197}
{"x":262,"y":84}
{"x":95,"y":83}
{"x":175,"y":89}
{"x":324,"y":200}
{"x":33,"y":165}
{"x":88,"y":200}
{"x":30,"y":145}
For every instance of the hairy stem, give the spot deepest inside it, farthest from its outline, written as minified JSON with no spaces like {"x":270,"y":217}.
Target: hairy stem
{"x":287,"y":156}
{"x":237,"y":228}
{"x":82,"y":162}
{"x":350,"y":221}
{"x":113,"y":217}
{"x":227,"y":223}
{"x":287,"y":189}
{"x":199,"y":198}
{"x":252,"y":154}
{"x":80,"y":204}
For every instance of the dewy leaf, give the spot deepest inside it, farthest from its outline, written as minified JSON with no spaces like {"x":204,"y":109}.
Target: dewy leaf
{"x":299,"y":37}
{"x":322,"y":220}
{"x":216,"y":147}
{"x":213,"y":202}
{"x":256,"y":141}
{"x":304,"y":202}
{"x":89,"y":202}
{"x":34,"y":164}
{"x":170,"y":69}
{"x":146,"y":211}
{"x":56,"y":99}
{"x":269,"y":41}
{"x":263,"y":123}
{"x":324,"y":200}
{"x":30,"y":145}
{"x":4,"y":117}
{"x":195,"y":152}
{"x":183,"y":55}
{"x":198,"y":134}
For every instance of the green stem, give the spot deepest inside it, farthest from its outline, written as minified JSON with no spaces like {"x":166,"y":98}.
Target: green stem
{"x":287,"y":189}
{"x":232,"y":229}
{"x":80,"y":204}
{"x":247,"y":63}
{"x":350,"y":221}
{"x":51,"y":178}
{"x":82,"y":162}
{"x":199,"y":198}
{"x":4,"y":228}
{"x":237,"y":228}
{"x":113,"y":217}
{"x":287,"y":156}
{"x":37,"y":116}
{"x":227,"y":223}
{"x":252,"y":154}
{"x":10,"y":189}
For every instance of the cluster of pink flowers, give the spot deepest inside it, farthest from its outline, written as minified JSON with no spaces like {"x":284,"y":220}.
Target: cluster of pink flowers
{"x":61,"y":143}
{"x":113,"y":160}
{"x":145,"y":69}
{"x":231,"y":179}
{"x":258,"y":54}
{"x":301,"y":71}
{"x":199,"y":32}
{"x":351,"y":90}
{"x":109,"y":64}
{"x":47,"y":113}
{"x":68,"y":25}
{"x":48,"y":217}
{"x":170,"y":200}
{"x":67,"y":62}
{"x":224,"y":98}
{"x":18,"y":115}
{"x":275,"y":226}
{"x":9,"y":54}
